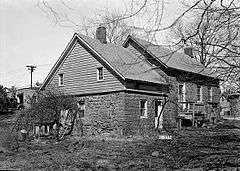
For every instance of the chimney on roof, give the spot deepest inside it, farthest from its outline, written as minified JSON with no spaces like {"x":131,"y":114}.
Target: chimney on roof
{"x":101,"y":34}
{"x":189,"y":51}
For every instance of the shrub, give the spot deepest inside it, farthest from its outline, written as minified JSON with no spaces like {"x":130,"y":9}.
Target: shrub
{"x":9,"y":141}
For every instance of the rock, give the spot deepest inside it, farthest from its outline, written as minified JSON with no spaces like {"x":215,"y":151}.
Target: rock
{"x":104,"y":164}
{"x":3,"y":150}
{"x":155,"y":154}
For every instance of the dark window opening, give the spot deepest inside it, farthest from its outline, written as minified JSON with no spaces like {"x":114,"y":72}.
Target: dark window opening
{"x":143,"y":108}
{"x":81,"y":109}
{"x":60,"y":79}
{"x":199,"y":93}
{"x":100,"y":73}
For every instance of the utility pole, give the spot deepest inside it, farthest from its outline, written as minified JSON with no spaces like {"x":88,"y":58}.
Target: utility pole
{"x":31,"y":68}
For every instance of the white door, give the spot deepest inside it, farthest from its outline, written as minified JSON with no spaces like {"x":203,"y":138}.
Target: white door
{"x":158,"y":106}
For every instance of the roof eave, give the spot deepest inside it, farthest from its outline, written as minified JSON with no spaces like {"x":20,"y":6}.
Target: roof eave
{"x":147,"y":82}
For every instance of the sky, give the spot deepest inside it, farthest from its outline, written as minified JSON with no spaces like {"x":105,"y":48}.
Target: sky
{"x":29,"y":37}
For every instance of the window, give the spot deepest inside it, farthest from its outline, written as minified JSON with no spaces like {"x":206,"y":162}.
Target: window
{"x":81,"y":108}
{"x":60,"y":79}
{"x":143,"y":108}
{"x":209,"y":94}
{"x":199,"y":93}
{"x":190,"y":106}
{"x":100,"y":73}
{"x":181,"y":92}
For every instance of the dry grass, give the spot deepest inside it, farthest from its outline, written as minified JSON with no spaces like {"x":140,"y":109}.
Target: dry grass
{"x":193,"y":148}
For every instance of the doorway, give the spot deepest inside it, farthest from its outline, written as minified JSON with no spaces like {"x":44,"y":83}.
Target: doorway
{"x":158,"y":109}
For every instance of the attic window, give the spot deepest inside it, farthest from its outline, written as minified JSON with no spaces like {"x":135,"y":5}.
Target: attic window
{"x":100,"y":73}
{"x":60,"y":79}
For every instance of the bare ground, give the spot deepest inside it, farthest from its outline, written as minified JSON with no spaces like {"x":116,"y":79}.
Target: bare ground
{"x":196,"y":148}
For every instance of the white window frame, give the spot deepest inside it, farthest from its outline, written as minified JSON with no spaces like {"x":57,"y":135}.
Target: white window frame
{"x":61,"y":79}
{"x":98,"y":74}
{"x":201,"y":97}
{"x":183,"y":92}
{"x":81,"y":107}
{"x":211,"y":94}
{"x":145,"y":109}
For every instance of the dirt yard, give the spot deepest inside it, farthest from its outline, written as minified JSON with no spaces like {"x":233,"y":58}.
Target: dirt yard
{"x":194,"y":148}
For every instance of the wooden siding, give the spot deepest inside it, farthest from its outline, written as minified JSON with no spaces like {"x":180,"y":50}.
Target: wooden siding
{"x":80,"y":74}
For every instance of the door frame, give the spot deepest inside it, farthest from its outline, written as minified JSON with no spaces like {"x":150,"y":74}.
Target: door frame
{"x":158,"y":109}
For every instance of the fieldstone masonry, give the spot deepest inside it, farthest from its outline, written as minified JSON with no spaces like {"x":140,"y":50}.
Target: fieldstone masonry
{"x":119,"y":113}
{"x":103,"y":113}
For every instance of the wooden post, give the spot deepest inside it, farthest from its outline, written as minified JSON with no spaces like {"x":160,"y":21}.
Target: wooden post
{"x":180,"y":124}
{"x":193,"y":116}
{"x":37,"y":132}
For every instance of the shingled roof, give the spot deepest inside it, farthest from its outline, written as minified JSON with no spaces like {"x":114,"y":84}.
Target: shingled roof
{"x":173,"y":59}
{"x":124,"y":61}
{"x":127,"y":65}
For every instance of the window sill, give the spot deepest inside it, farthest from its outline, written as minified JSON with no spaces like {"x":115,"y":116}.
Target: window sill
{"x":61,"y":85}
{"x":143,"y":117}
{"x":100,"y":80}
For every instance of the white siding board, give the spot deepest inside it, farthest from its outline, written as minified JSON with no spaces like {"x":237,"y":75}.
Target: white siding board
{"x":80,"y":74}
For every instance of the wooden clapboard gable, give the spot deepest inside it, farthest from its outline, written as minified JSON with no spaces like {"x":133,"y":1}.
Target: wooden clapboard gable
{"x":79,"y":69}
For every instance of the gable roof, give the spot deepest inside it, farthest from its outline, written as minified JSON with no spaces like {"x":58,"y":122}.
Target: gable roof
{"x":172,"y":59}
{"x":121,"y":60}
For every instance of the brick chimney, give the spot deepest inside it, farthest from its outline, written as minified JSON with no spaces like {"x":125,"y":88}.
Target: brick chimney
{"x":101,"y":34}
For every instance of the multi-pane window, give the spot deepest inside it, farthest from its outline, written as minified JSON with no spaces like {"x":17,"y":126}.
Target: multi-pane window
{"x":60,"y":79}
{"x":100,"y":73}
{"x":143,"y":108}
{"x":190,"y":106}
{"x":199,"y":93}
{"x":81,"y":108}
{"x":209,"y":91}
{"x":181,"y":92}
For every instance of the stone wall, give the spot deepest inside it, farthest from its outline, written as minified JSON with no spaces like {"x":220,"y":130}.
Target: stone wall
{"x":119,"y":113}
{"x":134,"y":124}
{"x":102,"y":114}
{"x":235,"y":106}
{"x":204,"y":106}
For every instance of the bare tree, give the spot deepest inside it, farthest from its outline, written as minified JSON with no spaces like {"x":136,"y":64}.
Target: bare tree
{"x":214,"y":36}
{"x":136,"y":18}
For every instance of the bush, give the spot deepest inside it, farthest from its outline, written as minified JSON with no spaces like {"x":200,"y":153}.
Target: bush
{"x":9,"y":141}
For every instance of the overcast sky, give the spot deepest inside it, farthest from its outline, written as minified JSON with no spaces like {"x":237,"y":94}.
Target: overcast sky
{"x":29,"y":37}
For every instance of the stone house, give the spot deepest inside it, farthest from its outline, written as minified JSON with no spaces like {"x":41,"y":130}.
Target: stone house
{"x":124,"y":88}
{"x":197,"y":90}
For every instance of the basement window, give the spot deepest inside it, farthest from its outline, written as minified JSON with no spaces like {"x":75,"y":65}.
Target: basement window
{"x":100,"y":73}
{"x":143,"y":108}
{"x":60,"y":79}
